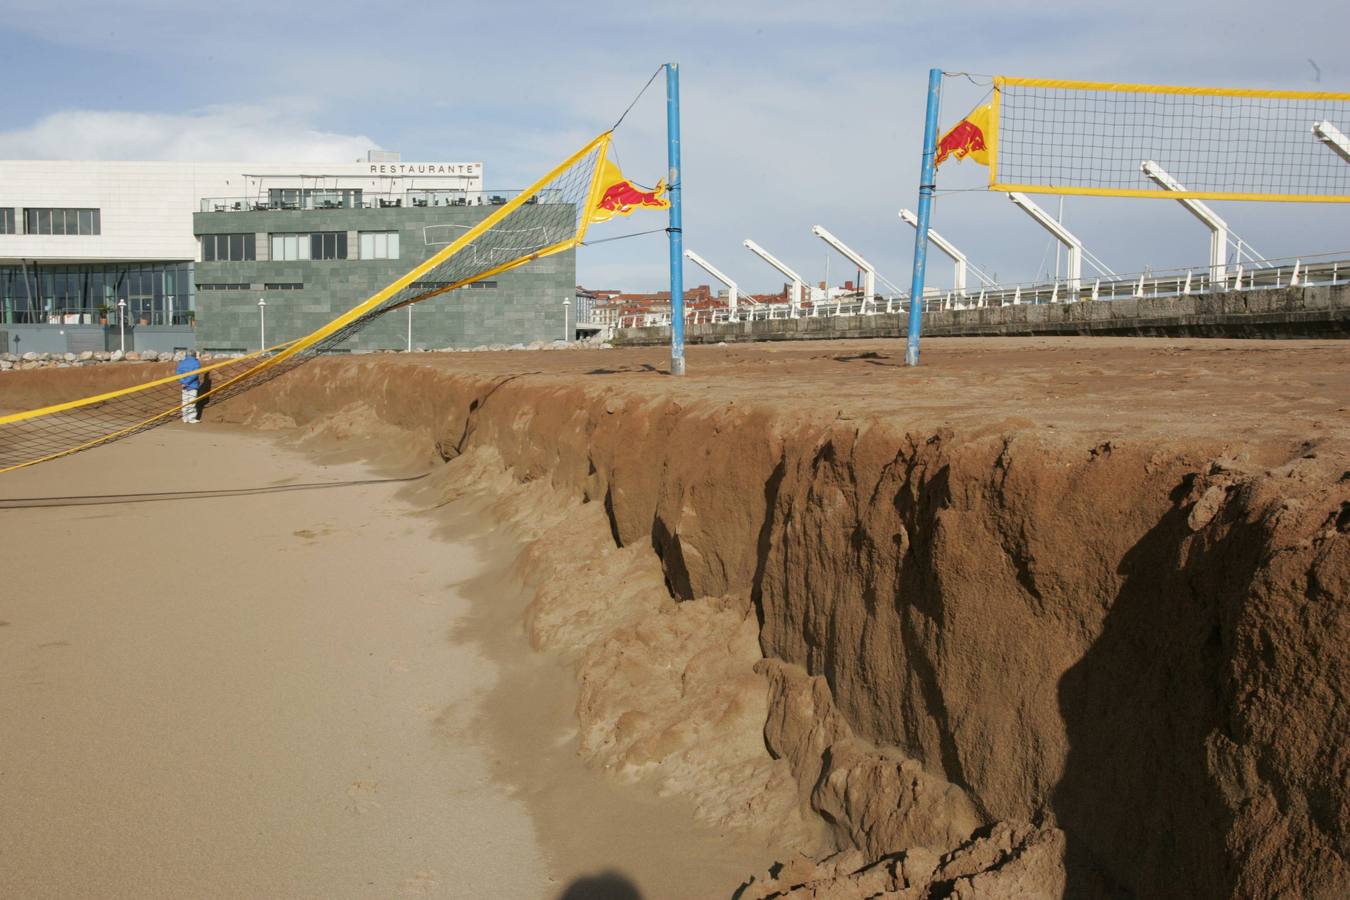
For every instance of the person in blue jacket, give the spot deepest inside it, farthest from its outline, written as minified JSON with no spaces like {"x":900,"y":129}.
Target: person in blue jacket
{"x":191,"y":384}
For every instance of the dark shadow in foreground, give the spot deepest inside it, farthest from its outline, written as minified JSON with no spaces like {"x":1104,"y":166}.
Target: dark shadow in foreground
{"x":630,"y":370}
{"x":605,"y":886}
{"x":1140,"y":800}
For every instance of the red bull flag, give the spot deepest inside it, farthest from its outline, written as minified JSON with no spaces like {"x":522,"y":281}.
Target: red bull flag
{"x":967,"y":138}
{"x":619,"y":196}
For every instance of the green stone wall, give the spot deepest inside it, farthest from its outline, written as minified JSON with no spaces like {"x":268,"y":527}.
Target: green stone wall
{"x":526,"y":305}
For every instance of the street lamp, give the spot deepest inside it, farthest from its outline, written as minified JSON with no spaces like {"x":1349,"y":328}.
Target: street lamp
{"x":567,"y":313}
{"x":262,"y":324}
{"x":122,"y":324}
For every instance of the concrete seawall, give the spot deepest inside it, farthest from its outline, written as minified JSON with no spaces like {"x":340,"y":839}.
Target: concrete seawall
{"x":1301,"y":312}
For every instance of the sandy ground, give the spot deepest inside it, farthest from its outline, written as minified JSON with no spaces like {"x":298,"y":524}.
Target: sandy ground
{"x":228,"y":683}
{"x":341,"y":702}
{"x":1266,"y":393}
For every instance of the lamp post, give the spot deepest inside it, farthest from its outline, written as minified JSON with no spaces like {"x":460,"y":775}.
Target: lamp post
{"x":409,"y":327}
{"x":122,"y":324}
{"x":567,"y":314}
{"x":262,"y":324}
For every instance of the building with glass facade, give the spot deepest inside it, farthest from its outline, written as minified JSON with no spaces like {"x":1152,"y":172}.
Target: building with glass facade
{"x":87,"y":293}
{"x":169,"y":252}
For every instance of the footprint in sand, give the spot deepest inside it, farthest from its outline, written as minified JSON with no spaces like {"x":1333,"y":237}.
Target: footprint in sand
{"x":422,"y":884}
{"x":312,"y":534}
{"x":361,"y":797}
{"x":397,"y":666}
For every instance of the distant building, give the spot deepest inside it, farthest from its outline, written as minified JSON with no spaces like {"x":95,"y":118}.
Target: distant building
{"x":606,"y":313}
{"x":309,"y":265}
{"x":585,"y":302}
{"x":625,"y":309}
{"x":185,"y":250}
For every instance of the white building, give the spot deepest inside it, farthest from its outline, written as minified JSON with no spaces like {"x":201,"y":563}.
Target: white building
{"x":77,"y":237}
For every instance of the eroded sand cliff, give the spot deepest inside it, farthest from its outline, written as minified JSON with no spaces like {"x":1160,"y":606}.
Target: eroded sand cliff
{"x":1044,"y":640}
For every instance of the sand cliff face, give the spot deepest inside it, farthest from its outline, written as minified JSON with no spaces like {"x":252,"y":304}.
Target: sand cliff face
{"x":1141,"y":646}
{"x":1063,"y":666}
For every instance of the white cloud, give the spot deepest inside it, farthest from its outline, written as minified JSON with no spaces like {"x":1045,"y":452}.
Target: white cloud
{"x":233,"y":133}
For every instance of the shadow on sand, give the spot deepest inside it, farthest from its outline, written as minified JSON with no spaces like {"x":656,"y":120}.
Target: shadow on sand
{"x":605,"y":886}
{"x":105,"y":499}
{"x":630,"y":370}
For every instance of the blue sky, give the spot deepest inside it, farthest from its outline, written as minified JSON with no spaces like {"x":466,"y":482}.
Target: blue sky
{"x":795,"y":113}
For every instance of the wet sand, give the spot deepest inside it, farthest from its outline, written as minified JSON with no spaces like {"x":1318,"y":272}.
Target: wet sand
{"x":279,"y":690}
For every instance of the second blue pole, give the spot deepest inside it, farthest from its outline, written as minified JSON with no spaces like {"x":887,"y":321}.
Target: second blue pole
{"x":676,"y":235}
{"x":927,"y":174}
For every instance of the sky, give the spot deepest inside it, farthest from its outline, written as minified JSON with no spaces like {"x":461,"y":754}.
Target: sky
{"x":793,"y":113}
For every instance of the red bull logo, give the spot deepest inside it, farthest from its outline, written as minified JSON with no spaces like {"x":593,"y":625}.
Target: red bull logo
{"x":962,"y":140}
{"x":622,"y":198}
{"x":966,"y":139}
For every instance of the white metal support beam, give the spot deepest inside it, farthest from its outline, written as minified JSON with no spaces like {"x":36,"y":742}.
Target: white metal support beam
{"x":1333,"y":137}
{"x":1218,"y":228}
{"x":869,"y":273}
{"x":716,"y":273}
{"x":946,"y":247}
{"x":797,"y":280}
{"x":1061,"y":234}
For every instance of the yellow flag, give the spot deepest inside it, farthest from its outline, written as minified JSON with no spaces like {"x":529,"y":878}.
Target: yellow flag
{"x":619,"y":196}
{"x":967,"y":138}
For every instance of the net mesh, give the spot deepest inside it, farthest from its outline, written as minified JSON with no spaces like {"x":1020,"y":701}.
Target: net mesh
{"x":1241,"y":144}
{"x":548,"y":217}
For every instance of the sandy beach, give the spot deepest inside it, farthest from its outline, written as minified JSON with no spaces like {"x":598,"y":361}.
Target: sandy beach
{"x":1043,"y":617}
{"x":231,"y":671}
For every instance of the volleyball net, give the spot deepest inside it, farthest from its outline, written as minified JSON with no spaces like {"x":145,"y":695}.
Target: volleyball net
{"x":549,"y":217}
{"x":1095,"y":138}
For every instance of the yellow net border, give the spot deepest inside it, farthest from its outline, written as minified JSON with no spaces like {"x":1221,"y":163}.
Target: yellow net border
{"x":80,"y":427}
{"x":1209,"y":104}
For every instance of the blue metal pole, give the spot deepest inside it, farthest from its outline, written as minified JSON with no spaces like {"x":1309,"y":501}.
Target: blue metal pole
{"x":673,"y":178}
{"x":926,"y":177}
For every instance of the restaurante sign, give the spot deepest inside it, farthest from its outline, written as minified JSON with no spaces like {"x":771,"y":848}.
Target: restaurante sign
{"x":466,"y":169}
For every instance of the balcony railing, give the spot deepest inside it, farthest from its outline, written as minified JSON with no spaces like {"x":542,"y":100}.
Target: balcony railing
{"x":1316,"y":270}
{"x":77,"y":315}
{"x":350,"y":199}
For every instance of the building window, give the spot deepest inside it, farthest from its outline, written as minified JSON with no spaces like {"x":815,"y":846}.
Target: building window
{"x":154,"y":292}
{"x":284,"y":286}
{"x":290,"y":246}
{"x":379,"y":245}
{"x":7,"y":220}
{"x":483,"y":284}
{"x":229,"y":247}
{"x":284,"y":198}
{"x":225,"y":286}
{"x":328,"y":245}
{"x":314,"y":198}
{"x":318,"y":245}
{"x":61,"y":221}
